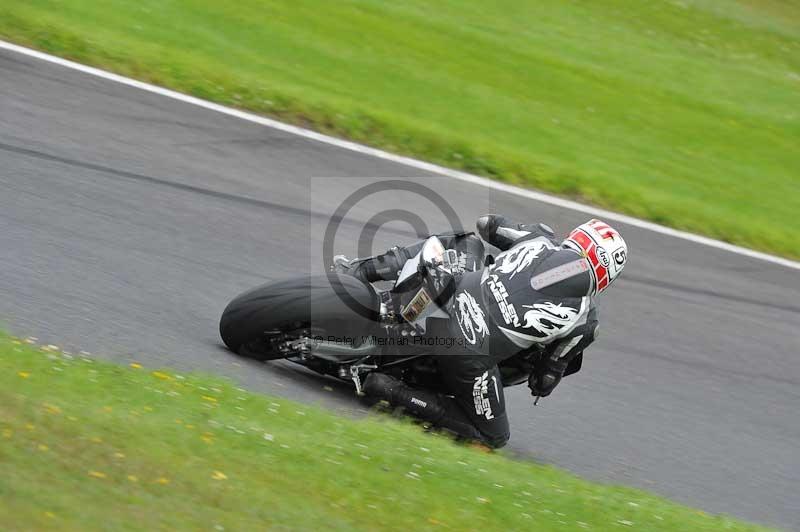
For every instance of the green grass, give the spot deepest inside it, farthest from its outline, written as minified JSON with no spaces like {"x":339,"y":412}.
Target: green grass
{"x":88,"y":445}
{"x":683,"y":112}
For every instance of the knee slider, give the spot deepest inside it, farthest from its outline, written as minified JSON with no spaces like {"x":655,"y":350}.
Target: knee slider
{"x":497,"y":441}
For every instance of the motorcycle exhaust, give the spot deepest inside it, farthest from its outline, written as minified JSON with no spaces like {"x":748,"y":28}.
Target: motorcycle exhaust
{"x":335,"y":351}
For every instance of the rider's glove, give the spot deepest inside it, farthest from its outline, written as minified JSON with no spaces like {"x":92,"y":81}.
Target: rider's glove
{"x":546,"y":376}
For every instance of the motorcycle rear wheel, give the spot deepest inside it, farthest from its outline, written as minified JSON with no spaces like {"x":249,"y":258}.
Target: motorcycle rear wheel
{"x":313,"y":306}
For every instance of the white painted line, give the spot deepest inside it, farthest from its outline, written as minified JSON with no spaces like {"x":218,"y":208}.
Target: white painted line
{"x":407,"y":161}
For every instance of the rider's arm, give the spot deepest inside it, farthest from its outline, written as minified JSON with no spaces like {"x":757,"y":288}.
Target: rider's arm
{"x":503,"y":233}
{"x":563,"y":357}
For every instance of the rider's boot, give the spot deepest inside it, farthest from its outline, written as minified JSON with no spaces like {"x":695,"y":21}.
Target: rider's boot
{"x":423,"y":404}
{"x":441,"y":411}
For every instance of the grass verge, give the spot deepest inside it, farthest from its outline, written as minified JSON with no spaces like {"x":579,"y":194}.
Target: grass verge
{"x":88,"y":445}
{"x":682,"y":112}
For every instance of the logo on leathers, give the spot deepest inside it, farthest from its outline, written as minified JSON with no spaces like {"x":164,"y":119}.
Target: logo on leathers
{"x":480,"y":394}
{"x":471,"y":318}
{"x":519,"y":257}
{"x":548,"y":318}
{"x":500,"y":294}
{"x":419,"y":402}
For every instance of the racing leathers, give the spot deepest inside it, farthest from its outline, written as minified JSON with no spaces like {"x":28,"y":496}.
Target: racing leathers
{"x":534,"y":297}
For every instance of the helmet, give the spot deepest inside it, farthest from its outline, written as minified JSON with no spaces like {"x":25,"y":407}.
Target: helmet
{"x":603,"y":247}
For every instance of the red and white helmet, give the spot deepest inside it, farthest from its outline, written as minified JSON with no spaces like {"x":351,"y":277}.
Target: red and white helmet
{"x":603,"y":247}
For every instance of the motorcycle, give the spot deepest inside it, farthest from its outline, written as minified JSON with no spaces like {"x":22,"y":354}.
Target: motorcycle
{"x":339,"y":326}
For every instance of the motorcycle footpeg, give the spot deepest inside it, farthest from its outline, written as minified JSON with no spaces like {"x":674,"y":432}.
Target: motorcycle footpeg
{"x":355,"y":375}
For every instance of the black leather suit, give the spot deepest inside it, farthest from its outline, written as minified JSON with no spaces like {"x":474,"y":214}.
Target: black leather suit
{"x":534,"y":294}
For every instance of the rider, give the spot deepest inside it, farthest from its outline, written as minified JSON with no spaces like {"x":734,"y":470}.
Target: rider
{"x":538,"y":294}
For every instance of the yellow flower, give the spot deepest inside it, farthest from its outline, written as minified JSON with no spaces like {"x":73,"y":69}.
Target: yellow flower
{"x":133,"y":478}
{"x":136,"y":365}
{"x":119,"y":455}
{"x":161,"y":375}
{"x":43,"y":447}
{"x":219,"y":475}
{"x":162,"y":480}
{"x":97,"y":474}
{"x":210,"y":399}
{"x":24,"y":374}
{"x":52,"y":409}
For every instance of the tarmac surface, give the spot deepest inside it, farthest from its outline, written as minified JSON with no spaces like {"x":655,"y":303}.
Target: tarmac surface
{"x":129,"y":220}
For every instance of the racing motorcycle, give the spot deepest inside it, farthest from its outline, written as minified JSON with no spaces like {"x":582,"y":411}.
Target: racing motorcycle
{"x":337,"y":325}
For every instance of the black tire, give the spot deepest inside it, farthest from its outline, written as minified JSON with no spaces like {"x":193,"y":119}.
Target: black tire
{"x":337,"y":305}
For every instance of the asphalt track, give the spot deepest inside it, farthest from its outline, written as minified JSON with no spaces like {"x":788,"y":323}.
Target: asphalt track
{"x":128,"y":220}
